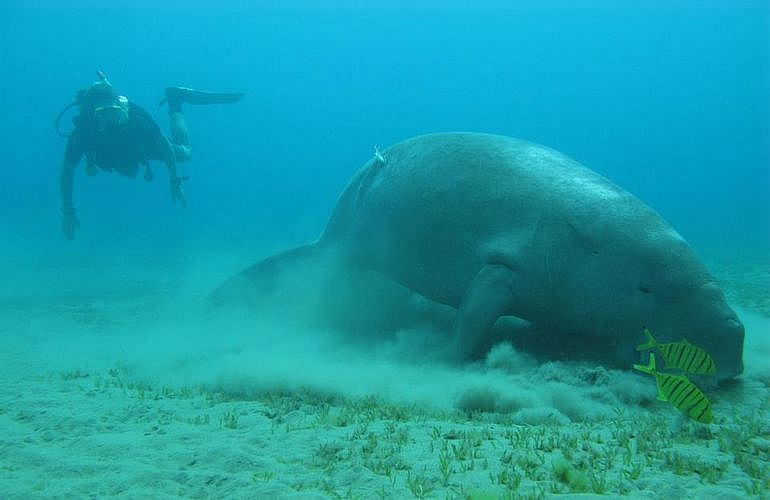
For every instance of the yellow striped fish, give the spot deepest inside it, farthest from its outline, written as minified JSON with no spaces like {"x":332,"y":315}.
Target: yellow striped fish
{"x":681,"y":355}
{"x":680,"y":392}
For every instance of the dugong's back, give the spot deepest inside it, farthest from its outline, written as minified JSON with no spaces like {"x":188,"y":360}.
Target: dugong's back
{"x":447,"y":203}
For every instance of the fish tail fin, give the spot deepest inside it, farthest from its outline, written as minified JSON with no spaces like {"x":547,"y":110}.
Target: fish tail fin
{"x":650,"y":344}
{"x":649,"y":368}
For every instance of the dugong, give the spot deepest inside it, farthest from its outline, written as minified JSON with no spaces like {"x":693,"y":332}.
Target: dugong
{"x":495,"y":226}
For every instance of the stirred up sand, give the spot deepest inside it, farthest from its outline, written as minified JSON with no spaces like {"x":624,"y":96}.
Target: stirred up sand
{"x":113,"y":381}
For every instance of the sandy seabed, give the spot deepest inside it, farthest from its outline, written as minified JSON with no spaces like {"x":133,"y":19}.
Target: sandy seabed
{"x":111,"y":386}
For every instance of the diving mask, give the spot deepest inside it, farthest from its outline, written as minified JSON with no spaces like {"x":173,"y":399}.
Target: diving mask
{"x":114,"y":114}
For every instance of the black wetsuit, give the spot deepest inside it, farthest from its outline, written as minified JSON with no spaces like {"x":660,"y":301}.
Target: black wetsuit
{"x":122,"y":149}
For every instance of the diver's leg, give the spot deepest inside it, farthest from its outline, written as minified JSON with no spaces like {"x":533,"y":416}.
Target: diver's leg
{"x":178,"y":126}
{"x":175,"y":97}
{"x":177,"y":123}
{"x":182,"y":152}
{"x":180,"y":138}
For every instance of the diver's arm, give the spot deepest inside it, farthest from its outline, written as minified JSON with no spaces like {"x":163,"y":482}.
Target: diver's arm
{"x":72,"y":154}
{"x":66,"y":181}
{"x":70,"y":222}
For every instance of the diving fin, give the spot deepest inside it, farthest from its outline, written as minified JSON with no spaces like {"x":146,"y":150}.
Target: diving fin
{"x":176,"y":96}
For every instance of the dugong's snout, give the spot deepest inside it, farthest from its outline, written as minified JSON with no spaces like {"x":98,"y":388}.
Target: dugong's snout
{"x":738,"y":334}
{"x":729,"y":356}
{"x":715,"y":327}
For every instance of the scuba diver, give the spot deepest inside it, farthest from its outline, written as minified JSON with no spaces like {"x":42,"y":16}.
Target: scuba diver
{"x":114,"y":134}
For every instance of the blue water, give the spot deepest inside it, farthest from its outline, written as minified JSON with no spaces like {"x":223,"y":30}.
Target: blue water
{"x":671,"y":100}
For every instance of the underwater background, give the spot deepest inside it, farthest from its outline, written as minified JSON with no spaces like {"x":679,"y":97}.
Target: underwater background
{"x":668,"y":99}
{"x":104,"y":350}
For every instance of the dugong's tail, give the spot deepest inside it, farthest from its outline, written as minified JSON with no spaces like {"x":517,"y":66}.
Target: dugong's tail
{"x":319,"y":285}
{"x":270,"y":278}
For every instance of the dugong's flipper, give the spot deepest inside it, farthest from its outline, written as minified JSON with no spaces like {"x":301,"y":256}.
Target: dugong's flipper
{"x":491,"y":295}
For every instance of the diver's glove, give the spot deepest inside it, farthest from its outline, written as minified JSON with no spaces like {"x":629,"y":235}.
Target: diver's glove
{"x":69,"y":223}
{"x":177,"y":193}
